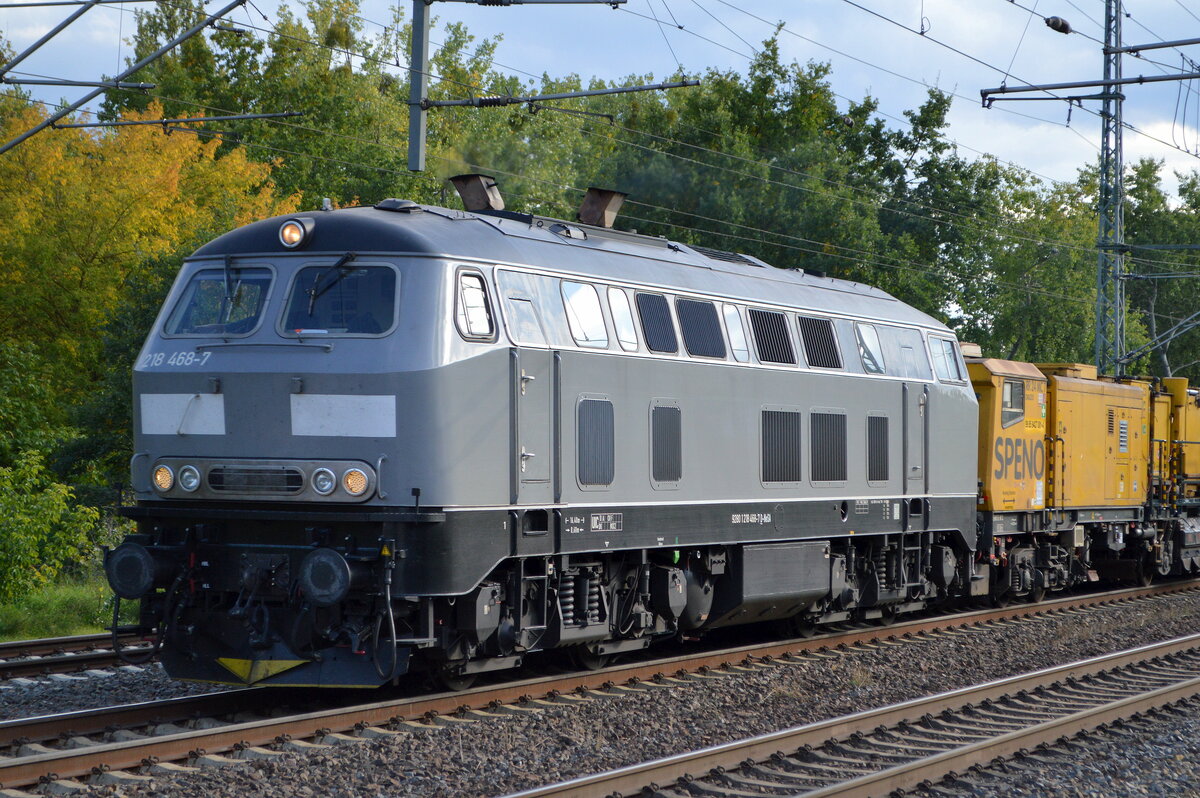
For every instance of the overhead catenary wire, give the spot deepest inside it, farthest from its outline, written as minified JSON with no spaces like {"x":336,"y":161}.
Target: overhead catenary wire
{"x":332,"y":48}
{"x":976,"y":60}
{"x":789,"y":242}
{"x":873,"y":205}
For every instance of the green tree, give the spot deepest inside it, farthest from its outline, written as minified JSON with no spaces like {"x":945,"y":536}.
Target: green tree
{"x":44,"y":530}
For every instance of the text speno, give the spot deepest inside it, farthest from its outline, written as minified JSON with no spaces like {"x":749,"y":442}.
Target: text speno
{"x":1019,"y":459}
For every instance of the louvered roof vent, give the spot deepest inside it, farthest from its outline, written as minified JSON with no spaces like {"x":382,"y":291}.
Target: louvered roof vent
{"x":728,"y":257}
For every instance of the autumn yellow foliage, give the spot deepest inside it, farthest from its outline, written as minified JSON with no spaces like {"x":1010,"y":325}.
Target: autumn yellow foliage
{"x":81,"y":208}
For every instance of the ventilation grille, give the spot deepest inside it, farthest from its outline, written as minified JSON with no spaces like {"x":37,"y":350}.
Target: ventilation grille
{"x":701,"y":328}
{"x":656,"y":323}
{"x":1123,"y":436}
{"x":728,"y":257}
{"x":666,"y":444}
{"x":280,"y":480}
{"x":828,"y":436}
{"x":595,"y":445}
{"x":1111,"y":416}
{"x":877,"y":449}
{"x":771,"y":336}
{"x":820,"y":345}
{"x":781,"y":446}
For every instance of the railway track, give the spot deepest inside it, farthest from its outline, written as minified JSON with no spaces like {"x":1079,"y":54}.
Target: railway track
{"x":906,"y":745}
{"x":221,"y":727}
{"x":28,"y":658}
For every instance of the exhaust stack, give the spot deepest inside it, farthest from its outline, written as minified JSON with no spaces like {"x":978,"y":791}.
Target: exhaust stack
{"x":478,"y":192}
{"x":600,"y":206}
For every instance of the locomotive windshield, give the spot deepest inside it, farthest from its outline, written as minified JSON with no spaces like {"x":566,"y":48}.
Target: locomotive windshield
{"x":221,"y":302}
{"x":343,"y":300}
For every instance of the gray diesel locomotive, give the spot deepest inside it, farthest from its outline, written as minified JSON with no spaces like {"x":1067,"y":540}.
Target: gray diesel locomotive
{"x":395,"y":438}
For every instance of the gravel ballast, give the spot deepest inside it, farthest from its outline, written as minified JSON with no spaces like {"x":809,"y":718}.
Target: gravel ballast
{"x":1149,"y":756}
{"x":25,"y":698}
{"x":499,"y":756}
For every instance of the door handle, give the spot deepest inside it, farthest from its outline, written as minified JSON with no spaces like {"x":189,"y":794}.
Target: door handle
{"x":525,"y":378}
{"x":525,"y":458}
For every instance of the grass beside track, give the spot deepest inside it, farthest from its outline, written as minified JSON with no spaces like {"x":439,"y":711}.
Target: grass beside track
{"x":71,"y":605}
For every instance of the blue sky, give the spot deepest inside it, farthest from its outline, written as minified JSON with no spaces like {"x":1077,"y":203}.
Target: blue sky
{"x":889,"y":60}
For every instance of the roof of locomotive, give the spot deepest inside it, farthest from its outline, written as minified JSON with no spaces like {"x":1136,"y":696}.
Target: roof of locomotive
{"x":399,"y":227}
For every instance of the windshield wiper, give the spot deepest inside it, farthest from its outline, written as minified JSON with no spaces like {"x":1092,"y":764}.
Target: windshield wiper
{"x":326,"y":346}
{"x":317,"y":289}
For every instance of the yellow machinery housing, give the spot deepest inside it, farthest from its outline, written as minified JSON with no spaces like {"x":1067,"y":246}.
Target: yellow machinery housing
{"x":1100,"y":432}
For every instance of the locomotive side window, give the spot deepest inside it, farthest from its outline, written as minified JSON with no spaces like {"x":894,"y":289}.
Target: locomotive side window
{"x":869,"y":350}
{"x":771,"y":337}
{"x":595,"y":440}
{"x":737,"y":334}
{"x":656,"y":323}
{"x":820,"y":344}
{"x":213,"y":305}
{"x":584,"y":315}
{"x":524,"y":326}
{"x":473,"y":313}
{"x":345,"y":300}
{"x":915,"y":363}
{"x":945,"y":359}
{"x":622,"y":313}
{"x":781,"y":433}
{"x":1012,"y":402}
{"x":701,"y":328}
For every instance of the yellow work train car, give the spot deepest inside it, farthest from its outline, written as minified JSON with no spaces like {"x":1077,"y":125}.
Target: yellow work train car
{"x":1012,"y":437}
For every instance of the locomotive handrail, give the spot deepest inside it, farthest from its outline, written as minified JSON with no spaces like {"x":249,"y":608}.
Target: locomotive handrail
{"x":327,"y":346}
{"x":341,"y":514}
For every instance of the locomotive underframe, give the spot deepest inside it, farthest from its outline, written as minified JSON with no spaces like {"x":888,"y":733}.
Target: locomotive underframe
{"x":234,"y":598}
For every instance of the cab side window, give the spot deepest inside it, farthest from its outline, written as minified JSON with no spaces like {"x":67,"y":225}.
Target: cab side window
{"x":945,"y":360}
{"x":1012,"y":402}
{"x":473,"y":312}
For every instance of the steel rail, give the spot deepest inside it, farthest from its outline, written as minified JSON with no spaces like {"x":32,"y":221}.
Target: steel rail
{"x":132,"y":754}
{"x":731,"y":755}
{"x":58,"y":654}
{"x":169,"y":710}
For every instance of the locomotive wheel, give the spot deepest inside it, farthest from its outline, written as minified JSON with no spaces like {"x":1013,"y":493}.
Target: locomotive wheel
{"x":585,"y":659}
{"x":452,"y":681}
{"x":798,"y":627}
{"x":1036,"y":595}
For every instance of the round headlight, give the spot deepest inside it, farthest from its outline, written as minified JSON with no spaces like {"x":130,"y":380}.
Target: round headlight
{"x":355,"y":481}
{"x":164,"y":478}
{"x":323,"y":481}
{"x":189,"y":478}
{"x":292,"y":233}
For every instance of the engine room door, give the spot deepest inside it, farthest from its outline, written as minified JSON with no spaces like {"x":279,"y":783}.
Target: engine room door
{"x":916,"y":418}
{"x":533,"y":373}
{"x":916,"y":482}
